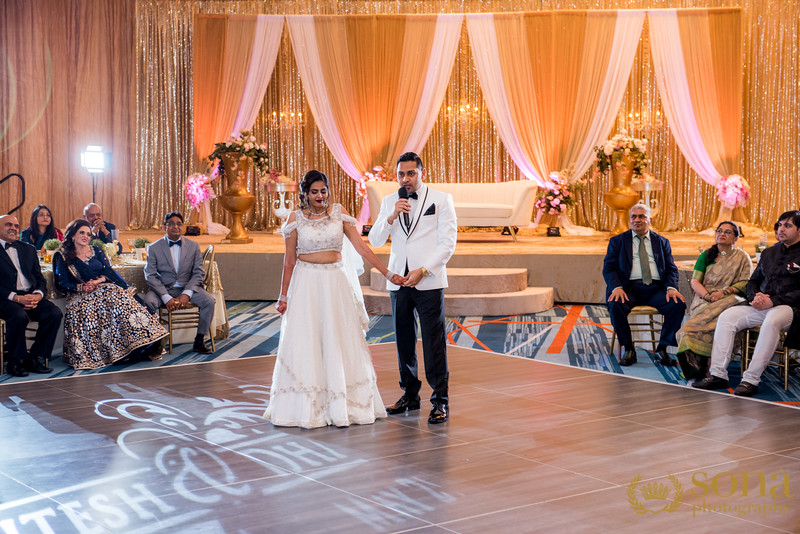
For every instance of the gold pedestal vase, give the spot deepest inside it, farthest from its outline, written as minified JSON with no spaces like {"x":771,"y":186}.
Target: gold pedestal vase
{"x":236,"y":199}
{"x":621,"y":198}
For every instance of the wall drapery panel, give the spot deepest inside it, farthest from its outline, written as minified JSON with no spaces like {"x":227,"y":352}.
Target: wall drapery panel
{"x":698,"y":64}
{"x":67,"y":81}
{"x":149,"y":50}
{"x":553,"y":82}
{"x":374,"y":83}
{"x":233,"y":61}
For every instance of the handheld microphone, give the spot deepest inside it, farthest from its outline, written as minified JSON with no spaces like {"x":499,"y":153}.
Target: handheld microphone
{"x":403,"y":193}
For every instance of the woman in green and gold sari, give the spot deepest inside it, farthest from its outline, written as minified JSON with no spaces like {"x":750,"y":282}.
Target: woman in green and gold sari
{"x":719,"y":280}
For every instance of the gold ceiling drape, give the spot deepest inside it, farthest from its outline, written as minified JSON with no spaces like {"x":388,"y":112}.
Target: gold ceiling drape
{"x":128,"y":77}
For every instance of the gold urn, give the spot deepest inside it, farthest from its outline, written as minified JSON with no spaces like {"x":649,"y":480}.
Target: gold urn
{"x":621,"y":198}
{"x":236,"y":199}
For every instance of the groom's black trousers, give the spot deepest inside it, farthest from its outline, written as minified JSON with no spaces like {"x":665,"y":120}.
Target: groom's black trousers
{"x":430,"y":308}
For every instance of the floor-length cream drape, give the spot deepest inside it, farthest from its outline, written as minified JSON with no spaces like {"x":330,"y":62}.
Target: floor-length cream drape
{"x":374,"y":83}
{"x":152,"y":69}
{"x":697,"y":56}
{"x":553,"y":82}
{"x":233,"y":60}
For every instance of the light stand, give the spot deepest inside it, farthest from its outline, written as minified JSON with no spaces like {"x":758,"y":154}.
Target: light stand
{"x":93,"y":159}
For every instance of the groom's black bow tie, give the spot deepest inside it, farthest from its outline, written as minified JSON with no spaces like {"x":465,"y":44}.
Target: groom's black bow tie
{"x":7,"y":246}
{"x":413,"y":195}
{"x":171,"y":243}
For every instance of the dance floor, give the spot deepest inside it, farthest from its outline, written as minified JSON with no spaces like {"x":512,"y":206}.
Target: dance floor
{"x":530,"y":447}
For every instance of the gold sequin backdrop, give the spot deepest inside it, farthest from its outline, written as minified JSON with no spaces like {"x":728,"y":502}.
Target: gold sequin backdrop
{"x":157,"y":155}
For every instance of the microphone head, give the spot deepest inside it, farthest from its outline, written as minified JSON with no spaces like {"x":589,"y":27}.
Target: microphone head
{"x":402,"y":192}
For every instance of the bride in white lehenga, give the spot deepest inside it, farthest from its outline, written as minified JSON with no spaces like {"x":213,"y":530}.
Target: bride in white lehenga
{"x":323,"y":373}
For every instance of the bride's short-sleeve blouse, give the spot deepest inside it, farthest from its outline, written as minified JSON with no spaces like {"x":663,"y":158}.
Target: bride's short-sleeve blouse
{"x":319,"y":235}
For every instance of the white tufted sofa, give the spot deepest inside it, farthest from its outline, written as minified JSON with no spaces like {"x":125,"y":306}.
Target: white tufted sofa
{"x":485,"y":204}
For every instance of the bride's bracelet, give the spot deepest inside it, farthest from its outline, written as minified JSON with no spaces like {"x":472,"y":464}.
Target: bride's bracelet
{"x":389,"y":275}
{"x":282,"y":298}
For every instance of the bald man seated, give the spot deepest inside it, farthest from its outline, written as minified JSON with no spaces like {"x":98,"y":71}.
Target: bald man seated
{"x":22,"y":299}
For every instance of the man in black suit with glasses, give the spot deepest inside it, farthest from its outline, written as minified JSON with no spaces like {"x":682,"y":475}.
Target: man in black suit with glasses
{"x":22,"y":299}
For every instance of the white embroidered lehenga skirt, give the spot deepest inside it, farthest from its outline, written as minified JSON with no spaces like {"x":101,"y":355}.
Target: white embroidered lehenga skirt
{"x":323,"y":372}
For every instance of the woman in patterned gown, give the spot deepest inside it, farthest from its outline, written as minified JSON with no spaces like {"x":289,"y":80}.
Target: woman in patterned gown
{"x":323,"y":373}
{"x":103,"y":323}
{"x":719,"y":280}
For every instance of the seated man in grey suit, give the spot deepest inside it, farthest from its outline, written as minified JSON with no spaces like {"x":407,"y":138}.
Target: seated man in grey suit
{"x":174,"y":272}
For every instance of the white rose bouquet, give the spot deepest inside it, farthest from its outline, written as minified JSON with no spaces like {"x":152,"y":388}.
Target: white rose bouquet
{"x":615,"y":150}
{"x":246,"y":147}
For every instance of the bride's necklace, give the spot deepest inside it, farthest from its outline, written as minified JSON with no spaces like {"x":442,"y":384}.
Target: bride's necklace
{"x":321,"y":214}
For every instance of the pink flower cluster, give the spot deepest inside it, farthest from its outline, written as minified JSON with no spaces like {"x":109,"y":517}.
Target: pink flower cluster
{"x":197,"y":189}
{"x":378,"y":175}
{"x":275,"y":177}
{"x":733,"y":191}
{"x":557,"y":196}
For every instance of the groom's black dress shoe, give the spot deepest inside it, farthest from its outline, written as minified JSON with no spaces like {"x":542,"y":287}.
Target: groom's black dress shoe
{"x":628,"y":359}
{"x":438,"y":414}
{"x":663,"y":358}
{"x":403,"y":404}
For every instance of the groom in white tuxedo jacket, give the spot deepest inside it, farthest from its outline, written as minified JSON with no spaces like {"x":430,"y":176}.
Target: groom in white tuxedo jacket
{"x":423,"y":231}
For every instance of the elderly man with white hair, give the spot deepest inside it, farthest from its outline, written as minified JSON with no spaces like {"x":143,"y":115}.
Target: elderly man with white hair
{"x":639,"y":271}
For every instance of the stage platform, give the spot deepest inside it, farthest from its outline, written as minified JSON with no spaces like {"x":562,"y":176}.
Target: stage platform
{"x":529,"y":447}
{"x":571,"y":265}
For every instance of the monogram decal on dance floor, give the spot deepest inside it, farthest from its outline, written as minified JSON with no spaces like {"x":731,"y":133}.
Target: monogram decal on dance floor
{"x":156,"y":462}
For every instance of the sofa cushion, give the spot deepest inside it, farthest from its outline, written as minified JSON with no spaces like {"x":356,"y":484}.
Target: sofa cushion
{"x":469,"y":210}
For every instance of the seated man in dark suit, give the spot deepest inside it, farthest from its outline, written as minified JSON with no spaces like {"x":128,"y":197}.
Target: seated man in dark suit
{"x":639,"y":271}
{"x":174,"y":272}
{"x":101,"y":229}
{"x":22,"y":291}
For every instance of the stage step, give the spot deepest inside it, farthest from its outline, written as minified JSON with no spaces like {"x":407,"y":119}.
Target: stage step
{"x":473,"y":292}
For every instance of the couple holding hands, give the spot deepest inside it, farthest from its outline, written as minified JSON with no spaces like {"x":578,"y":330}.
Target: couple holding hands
{"x":323,"y":374}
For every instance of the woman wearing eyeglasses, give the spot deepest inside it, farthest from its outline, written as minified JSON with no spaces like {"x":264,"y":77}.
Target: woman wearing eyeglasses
{"x":719,"y":280}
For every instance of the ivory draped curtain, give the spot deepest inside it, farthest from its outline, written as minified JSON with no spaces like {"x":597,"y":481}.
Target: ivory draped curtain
{"x":698,"y":64}
{"x":234,"y":56}
{"x":125,"y":82}
{"x":553,"y":82}
{"x":374,"y":83}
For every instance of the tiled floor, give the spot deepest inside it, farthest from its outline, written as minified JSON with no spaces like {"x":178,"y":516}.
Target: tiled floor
{"x":530,"y":447}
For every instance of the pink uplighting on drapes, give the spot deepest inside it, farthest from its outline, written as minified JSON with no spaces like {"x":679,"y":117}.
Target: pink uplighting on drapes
{"x":374,"y":83}
{"x":553,"y":82}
